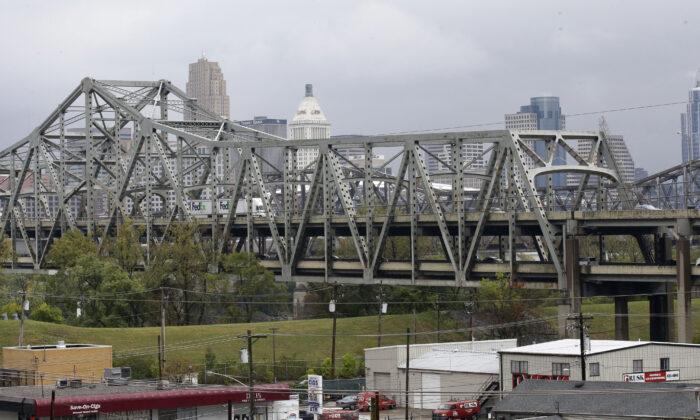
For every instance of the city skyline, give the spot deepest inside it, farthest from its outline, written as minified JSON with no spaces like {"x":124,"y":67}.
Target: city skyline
{"x":436,"y":68}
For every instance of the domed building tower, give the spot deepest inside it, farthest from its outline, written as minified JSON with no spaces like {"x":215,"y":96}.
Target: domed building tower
{"x":309,"y":122}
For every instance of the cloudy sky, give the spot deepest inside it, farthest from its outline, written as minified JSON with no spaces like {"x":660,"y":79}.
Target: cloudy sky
{"x":377,"y":66}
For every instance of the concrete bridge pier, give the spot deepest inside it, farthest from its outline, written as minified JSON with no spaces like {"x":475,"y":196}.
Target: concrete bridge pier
{"x":622,"y":324}
{"x":571,"y":303}
{"x":683,"y":296}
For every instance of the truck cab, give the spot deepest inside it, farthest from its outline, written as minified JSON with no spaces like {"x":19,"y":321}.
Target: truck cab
{"x":364,"y":401}
{"x":457,"y":410}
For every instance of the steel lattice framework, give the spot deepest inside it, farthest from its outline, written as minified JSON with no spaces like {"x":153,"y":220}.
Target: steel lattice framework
{"x":75,"y":171}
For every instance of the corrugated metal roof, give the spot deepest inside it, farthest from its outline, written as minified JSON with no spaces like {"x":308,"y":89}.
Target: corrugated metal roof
{"x":570,"y":347}
{"x":598,"y":399}
{"x":456,"y":361}
{"x":418,"y":350}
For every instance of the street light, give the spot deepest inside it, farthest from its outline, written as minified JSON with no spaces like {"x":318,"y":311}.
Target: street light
{"x":211,"y":372}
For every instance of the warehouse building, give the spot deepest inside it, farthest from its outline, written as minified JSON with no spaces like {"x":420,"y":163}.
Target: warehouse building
{"x":451,"y":375}
{"x":141,"y":401}
{"x":575,"y":400}
{"x":606,"y":360}
{"x":383,"y":364}
{"x":32,"y":365}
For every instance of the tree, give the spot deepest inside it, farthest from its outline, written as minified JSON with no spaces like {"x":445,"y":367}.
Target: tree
{"x":180,"y":264}
{"x":66,"y":251}
{"x":125,"y":248}
{"x":255,"y":287}
{"x":101,"y":286}
{"x":349,"y":366}
{"x":47,"y":313}
{"x":504,"y":303}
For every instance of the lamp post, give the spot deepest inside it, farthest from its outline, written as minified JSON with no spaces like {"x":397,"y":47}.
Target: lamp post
{"x":331,"y":309}
{"x":211,"y":372}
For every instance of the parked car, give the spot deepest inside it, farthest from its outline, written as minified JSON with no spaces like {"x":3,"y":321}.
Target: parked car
{"x":364,"y":401}
{"x":348,"y":402}
{"x":450,"y":410}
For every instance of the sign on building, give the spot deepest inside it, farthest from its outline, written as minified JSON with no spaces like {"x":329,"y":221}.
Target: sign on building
{"x":663,"y":376}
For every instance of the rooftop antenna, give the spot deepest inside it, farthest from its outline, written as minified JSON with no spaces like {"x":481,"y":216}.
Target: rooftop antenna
{"x":204,"y":56}
{"x":697,"y":78}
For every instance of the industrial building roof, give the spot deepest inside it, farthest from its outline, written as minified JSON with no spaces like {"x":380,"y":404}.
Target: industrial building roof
{"x":452,"y":345}
{"x":456,"y":361}
{"x":597,"y":398}
{"x":570,"y":347}
{"x":135,"y":396}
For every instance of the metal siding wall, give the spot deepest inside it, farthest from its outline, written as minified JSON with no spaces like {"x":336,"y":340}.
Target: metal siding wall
{"x":430,"y":384}
{"x":615,"y":363}
{"x":682,"y":358}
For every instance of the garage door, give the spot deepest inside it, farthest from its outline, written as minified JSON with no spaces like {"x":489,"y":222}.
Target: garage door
{"x":382,"y":382}
{"x":430,"y":384}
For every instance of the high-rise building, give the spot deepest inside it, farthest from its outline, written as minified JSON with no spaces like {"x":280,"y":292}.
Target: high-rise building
{"x":622,"y":156}
{"x":690,"y":124}
{"x":640,"y":173}
{"x":276,"y":127}
{"x":438,"y":162}
{"x":543,"y":113}
{"x":309,"y":122}
{"x":206,"y":84}
{"x":274,"y":157}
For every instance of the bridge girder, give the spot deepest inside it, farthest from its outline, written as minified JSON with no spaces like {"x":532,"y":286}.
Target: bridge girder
{"x":75,"y":170}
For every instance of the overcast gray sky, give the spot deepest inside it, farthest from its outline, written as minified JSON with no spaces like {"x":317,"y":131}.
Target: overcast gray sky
{"x":377,"y":66}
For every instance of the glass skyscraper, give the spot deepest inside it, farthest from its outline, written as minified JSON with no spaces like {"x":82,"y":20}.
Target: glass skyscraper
{"x":690,"y":125}
{"x":546,"y":112}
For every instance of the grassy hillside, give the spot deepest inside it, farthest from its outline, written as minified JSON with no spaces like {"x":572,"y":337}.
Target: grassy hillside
{"x":307,"y":339}
{"x":602,"y":325}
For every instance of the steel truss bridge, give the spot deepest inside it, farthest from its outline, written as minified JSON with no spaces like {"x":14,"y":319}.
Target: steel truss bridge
{"x":145,"y":152}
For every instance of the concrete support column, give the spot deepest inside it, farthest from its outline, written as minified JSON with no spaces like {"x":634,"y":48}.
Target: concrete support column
{"x":685,"y":330}
{"x":574,"y":289}
{"x":663,"y":255}
{"x":622,"y":321}
{"x":658,"y":324}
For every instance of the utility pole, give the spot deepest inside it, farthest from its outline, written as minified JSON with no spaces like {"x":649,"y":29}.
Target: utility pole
{"x":415,"y":324}
{"x":162,"y":323}
{"x":251,"y":393}
{"x":21,"y":320}
{"x":274,"y":358}
{"x":379,"y":319}
{"x":160,"y":361}
{"x":582,"y":340}
{"x":408,"y":361}
{"x":469,"y":309}
{"x":334,"y":310}
{"x":437,"y":309}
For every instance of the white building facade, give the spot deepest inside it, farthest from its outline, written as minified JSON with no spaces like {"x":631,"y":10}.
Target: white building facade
{"x":385,"y":366}
{"x":607,"y":360}
{"x":309,"y":122}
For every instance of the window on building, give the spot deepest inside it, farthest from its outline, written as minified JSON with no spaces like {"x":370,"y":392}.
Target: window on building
{"x":665,"y":363}
{"x":637,"y":366}
{"x":594,"y":369}
{"x":561,"y":369}
{"x":518,"y":366}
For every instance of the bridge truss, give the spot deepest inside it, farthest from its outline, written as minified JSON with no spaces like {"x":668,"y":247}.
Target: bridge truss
{"x":145,"y":151}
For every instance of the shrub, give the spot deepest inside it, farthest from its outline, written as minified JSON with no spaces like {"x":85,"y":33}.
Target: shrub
{"x":47,"y":313}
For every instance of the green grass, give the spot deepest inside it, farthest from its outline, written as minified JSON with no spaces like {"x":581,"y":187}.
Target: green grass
{"x":310,"y":340}
{"x":602,"y":326}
